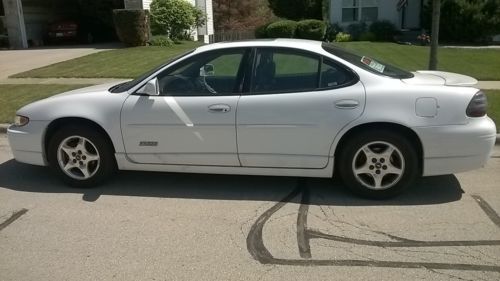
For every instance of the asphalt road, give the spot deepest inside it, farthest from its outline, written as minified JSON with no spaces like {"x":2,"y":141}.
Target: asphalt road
{"x":161,"y":226}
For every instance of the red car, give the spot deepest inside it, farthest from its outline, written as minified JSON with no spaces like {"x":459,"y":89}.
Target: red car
{"x":63,"y":30}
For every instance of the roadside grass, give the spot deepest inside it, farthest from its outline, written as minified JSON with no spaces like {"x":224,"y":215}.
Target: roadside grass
{"x":120,"y":63}
{"x":482,"y":64}
{"x":494,"y":106}
{"x":13,"y":97}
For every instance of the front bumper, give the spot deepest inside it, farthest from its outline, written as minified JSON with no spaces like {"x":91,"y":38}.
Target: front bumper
{"x":26,"y":142}
{"x":457,"y":148}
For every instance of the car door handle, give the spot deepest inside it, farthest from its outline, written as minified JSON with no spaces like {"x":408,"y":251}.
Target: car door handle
{"x":346,"y":104}
{"x":219,"y":108}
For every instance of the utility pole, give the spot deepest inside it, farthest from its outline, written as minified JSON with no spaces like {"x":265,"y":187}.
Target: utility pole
{"x":436,"y":14}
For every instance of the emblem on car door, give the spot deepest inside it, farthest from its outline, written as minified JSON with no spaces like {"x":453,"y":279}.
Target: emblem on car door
{"x":148,"y":143}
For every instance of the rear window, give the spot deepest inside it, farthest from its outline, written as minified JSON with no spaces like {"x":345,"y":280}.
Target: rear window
{"x":367,"y":63}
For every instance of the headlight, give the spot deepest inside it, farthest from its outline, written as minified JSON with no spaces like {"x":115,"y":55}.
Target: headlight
{"x":21,"y":120}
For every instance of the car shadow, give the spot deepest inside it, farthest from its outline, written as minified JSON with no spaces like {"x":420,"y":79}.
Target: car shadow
{"x":28,"y":178}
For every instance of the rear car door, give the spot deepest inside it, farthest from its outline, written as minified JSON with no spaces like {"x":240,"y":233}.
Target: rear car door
{"x":297,"y":103}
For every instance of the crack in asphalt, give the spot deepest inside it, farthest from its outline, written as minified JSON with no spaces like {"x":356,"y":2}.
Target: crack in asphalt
{"x":257,"y":249}
{"x":488,"y":210}
{"x":12,"y":218}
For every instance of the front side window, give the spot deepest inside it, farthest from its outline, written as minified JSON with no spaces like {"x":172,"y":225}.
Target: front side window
{"x":213,"y":73}
{"x":279,"y":70}
{"x":359,"y":10}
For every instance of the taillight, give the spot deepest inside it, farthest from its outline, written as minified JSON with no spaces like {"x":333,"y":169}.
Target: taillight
{"x":477,"y":106}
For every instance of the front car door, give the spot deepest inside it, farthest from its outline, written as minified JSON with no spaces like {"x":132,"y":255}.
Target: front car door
{"x":297,"y":103}
{"x":192,"y":121}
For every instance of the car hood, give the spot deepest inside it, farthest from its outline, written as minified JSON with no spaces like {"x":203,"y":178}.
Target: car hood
{"x":91,"y":89}
{"x":87,"y":103}
{"x":422,"y":77}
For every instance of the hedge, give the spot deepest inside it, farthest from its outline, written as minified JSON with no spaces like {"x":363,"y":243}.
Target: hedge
{"x":311,"y":29}
{"x":132,"y":26}
{"x":282,"y":29}
{"x":261,"y":31}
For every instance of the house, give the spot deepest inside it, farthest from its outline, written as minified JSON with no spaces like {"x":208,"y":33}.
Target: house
{"x":26,"y":21}
{"x":405,"y":14}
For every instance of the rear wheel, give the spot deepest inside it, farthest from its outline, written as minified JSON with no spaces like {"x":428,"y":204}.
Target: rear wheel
{"x":378,"y":164}
{"x":81,"y":157}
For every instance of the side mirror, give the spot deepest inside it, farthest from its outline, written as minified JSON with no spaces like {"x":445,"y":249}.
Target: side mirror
{"x":150,"y":88}
{"x":207,"y":70}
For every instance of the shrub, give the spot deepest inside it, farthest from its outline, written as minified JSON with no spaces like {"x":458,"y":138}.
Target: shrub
{"x":311,"y":29}
{"x":261,"y":31}
{"x":174,"y":17}
{"x":356,"y":29}
{"x":161,"y":40}
{"x":343,"y":37}
{"x":383,"y":30}
{"x":331,"y":31}
{"x":282,"y":29}
{"x":367,"y":36}
{"x":132,"y":26}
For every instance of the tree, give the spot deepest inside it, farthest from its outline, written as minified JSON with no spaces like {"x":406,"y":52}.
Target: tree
{"x":436,"y":12}
{"x":240,"y":14}
{"x":174,"y":17}
{"x":297,"y":9}
{"x":465,"y":21}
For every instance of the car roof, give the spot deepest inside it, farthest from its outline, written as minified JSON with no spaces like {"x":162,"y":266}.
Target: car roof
{"x":280,"y":42}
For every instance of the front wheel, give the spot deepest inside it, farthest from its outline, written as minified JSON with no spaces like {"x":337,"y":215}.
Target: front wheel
{"x":81,"y":157}
{"x":378,"y":164}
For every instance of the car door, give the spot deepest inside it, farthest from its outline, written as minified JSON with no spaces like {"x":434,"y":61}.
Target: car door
{"x":192,"y":121}
{"x":297,"y":103}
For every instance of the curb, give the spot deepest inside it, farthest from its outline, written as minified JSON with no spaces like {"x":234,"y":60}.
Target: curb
{"x":4,"y":127}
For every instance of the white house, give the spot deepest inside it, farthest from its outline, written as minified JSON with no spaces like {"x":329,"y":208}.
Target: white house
{"x":27,"y":20}
{"x":405,"y":14}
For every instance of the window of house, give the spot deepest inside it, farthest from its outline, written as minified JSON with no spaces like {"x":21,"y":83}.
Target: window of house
{"x":359,"y":10}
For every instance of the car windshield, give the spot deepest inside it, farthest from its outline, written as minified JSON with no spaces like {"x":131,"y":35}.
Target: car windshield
{"x":367,"y":63}
{"x":122,"y":87}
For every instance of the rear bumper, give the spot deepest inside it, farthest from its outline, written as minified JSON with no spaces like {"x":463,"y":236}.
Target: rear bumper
{"x":457,"y":148}
{"x":26,"y":143}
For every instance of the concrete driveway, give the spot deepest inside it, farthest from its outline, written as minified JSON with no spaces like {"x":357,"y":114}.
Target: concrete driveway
{"x":16,"y":61}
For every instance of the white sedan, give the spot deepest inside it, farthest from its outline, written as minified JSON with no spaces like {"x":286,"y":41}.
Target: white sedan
{"x":265,"y":107}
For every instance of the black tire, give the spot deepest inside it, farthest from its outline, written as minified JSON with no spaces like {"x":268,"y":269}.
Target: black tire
{"x":102,"y":171}
{"x":377,"y":139}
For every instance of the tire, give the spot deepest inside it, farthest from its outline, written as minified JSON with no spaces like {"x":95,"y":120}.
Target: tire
{"x":86,"y":154}
{"x":378,"y":164}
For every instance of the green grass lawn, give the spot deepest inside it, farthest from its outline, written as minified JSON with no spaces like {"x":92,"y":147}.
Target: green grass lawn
{"x":13,"y":97}
{"x":120,"y":63}
{"x":482,"y":64}
{"x":494,"y":106}
{"x":131,"y":62}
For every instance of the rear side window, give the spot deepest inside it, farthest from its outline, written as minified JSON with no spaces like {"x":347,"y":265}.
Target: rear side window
{"x":286,"y":70}
{"x":333,"y":75}
{"x":279,"y":70}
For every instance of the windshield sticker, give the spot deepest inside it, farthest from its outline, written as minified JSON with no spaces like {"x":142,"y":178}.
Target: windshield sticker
{"x":373,"y":64}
